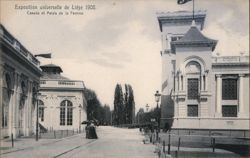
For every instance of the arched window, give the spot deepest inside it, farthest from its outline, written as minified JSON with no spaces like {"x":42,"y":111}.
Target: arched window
{"x":193,"y":74}
{"x":41,"y":110}
{"x":66,"y":113}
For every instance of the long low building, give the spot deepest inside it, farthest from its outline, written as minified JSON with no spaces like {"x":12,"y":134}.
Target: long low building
{"x":20,"y":73}
{"x":200,"y":90}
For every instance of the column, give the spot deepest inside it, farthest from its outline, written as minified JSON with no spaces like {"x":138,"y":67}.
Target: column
{"x":28,"y":108}
{"x":184,"y":83}
{"x":1,"y":92}
{"x":179,"y":78}
{"x":15,"y":105}
{"x":176,"y":83}
{"x":206,"y":83}
{"x":202,"y":82}
{"x":10,"y":113}
{"x":218,"y":94}
{"x":241,"y":94}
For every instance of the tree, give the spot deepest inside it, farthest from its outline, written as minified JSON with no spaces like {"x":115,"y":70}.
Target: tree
{"x":124,"y":105}
{"x":118,"y":114}
{"x":139,"y":116}
{"x":129,"y":104}
{"x":145,"y":117}
{"x":94,"y":107}
{"x":107,"y":115}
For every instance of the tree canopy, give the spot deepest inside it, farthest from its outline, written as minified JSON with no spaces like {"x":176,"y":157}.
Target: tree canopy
{"x":95,"y":110}
{"x":124,"y":105}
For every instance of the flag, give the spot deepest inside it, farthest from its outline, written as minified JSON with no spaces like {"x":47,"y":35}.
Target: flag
{"x":164,"y":85}
{"x":182,"y":1}
{"x":44,"y":55}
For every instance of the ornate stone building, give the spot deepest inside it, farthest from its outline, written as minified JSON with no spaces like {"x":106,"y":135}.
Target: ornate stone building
{"x":20,"y":73}
{"x":199,"y":89}
{"x":62,"y":104}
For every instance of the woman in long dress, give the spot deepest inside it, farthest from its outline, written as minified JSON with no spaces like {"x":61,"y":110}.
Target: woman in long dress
{"x":92,"y":132}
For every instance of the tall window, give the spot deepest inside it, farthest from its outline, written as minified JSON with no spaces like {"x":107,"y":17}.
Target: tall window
{"x":229,"y":89}
{"x":193,"y":88}
{"x":193,"y":73}
{"x":41,"y":110}
{"x":66,"y":113}
{"x":62,"y":113}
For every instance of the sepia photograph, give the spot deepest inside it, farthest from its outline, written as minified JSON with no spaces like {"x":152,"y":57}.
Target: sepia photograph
{"x":124,"y":79}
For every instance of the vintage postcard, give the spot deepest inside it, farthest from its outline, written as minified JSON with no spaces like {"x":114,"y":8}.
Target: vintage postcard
{"x":134,"y":78}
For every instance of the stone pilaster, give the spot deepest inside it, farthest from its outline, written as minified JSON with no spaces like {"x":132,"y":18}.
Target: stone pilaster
{"x":218,"y":95}
{"x":179,"y":83}
{"x":241,"y":96}
{"x":1,"y":92}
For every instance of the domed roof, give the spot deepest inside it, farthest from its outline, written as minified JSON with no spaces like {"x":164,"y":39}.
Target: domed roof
{"x":51,"y":71}
{"x":51,"y":67}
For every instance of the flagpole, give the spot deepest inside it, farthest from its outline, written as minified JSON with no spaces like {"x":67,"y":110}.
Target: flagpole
{"x":193,"y":9}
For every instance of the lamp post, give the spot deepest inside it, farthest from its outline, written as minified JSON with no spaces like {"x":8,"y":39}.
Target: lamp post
{"x":48,"y":55}
{"x":37,"y":113}
{"x":147,"y":106}
{"x":80,"y":106}
{"x":157,"y":99}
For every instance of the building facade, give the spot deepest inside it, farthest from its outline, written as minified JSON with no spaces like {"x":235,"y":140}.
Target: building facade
{"x":62,"y":104}
{"x":20,"y":73}
{"x":200,"y":90}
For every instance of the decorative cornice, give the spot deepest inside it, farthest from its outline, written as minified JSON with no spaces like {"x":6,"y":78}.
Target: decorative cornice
{"x":181,"y":17}
{"x":61,"y":89}
{"x":230,"y":63}
{"x":14,"y":48}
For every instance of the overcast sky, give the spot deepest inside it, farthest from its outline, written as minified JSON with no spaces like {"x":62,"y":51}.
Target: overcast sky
{"x":119,"y":42}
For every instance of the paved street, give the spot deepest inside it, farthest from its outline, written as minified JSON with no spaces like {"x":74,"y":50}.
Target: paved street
{"x":112,"y":142}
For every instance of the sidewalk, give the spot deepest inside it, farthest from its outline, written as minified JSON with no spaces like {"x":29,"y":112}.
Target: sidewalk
{"x":27,"y":143}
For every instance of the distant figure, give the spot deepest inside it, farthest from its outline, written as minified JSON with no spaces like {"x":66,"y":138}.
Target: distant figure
{"x":166,"y":127}
{"x":87,"y":130}
{"x":91,"y":131}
